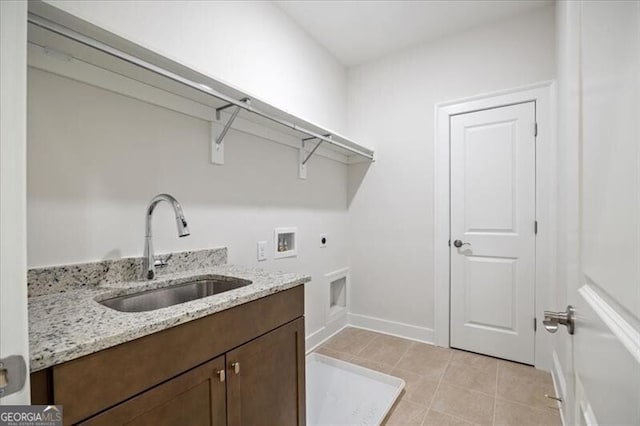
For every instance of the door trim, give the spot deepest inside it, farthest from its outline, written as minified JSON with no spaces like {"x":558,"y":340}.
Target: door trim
{"x":543,"y":94}
{"x":14,"y":321}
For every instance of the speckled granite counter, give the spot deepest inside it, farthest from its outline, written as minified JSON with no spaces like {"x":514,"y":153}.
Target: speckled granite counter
{"x":70,"y":324}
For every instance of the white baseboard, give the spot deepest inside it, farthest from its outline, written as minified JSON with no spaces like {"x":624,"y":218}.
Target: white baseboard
{"x":323,"y":334}
{"x":559,"y":384}
{"x":393,"y":328}
{"x":406,"y":331}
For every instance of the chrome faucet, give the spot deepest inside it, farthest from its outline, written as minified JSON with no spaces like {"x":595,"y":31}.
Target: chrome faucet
{"x":149,"y":262}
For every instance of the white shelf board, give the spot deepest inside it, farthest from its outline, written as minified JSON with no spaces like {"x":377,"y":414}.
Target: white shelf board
{"x":61,"y":45}
{"x":75,"y":69}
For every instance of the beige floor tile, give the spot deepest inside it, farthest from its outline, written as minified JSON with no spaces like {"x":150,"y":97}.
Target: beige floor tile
{"x":471,"y":359}
{"x":525,"y":384}
{"x":417,"y":388}
{"x":334,"y":354}
{"x":406,"y":413}
{"x":393,"y":340}
{"x":350,"y":340}
{"x":515,"y":414}
{"x":372,"y":365}
{"x":385,"y":349}
{"x":466,"y":376}
{"x":425,"y":360}
{"x":525,"y":371}
{"x":473,"y":406}
{"x":468,"y":382}
{"x":435,"y":418}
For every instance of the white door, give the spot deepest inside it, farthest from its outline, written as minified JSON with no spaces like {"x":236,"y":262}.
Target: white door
{"x":13,"y":216}
{"x":492,"y":215}
{"x":606,"y":343}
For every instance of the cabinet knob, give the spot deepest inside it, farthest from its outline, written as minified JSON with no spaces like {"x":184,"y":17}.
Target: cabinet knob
{"x":221,"y":375}
{"x":236,"y":367}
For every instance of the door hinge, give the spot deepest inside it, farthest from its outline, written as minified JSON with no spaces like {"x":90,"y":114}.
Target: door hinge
{"x":535,"y":227}
{"x":535,"y":129}
{"x":449,"y":243}
{"x":535,"y":324}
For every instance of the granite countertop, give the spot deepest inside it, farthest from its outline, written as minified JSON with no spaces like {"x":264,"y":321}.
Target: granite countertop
{"x":70,"y":324}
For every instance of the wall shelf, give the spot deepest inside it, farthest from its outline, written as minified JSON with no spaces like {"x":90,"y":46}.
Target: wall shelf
{"x":69,"y":39}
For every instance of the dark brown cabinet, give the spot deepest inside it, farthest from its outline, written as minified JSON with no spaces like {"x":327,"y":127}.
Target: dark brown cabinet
{"x":196,"y":397}
{"x":241,"y":366}
{"x":266,"y":379}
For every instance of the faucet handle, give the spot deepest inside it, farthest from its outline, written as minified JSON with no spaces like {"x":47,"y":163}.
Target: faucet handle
{"x":162,"y":262}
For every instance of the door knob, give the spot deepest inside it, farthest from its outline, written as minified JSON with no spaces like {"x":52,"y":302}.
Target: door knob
{"x":460,"y":243}
{"x":236,"y":367}
{"x":552,"y":320}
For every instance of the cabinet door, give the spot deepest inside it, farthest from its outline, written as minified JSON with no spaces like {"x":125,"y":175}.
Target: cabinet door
{"x":194,"y":398}
{"x":266,"y":383}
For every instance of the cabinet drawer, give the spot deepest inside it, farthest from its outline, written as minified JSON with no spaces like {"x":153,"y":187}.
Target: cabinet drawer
{"x":101,"y":380}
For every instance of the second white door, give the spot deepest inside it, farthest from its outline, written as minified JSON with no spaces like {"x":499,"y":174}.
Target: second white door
{"x":493,"y":223}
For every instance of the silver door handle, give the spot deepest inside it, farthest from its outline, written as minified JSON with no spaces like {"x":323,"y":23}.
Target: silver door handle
{"x":554,"y":319}
{"x":460,"y":243}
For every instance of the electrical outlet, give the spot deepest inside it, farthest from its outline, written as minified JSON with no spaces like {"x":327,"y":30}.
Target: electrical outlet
{"x":323,"y":240}
{"x":262,"y":250}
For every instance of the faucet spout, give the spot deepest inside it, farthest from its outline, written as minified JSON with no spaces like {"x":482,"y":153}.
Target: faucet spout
{"x":149,"y":262}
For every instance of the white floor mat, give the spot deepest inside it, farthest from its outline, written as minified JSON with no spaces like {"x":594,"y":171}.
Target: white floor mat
{"x":340,"y":393}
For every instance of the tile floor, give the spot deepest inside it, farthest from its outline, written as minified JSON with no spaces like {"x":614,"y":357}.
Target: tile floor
{"x":448,"y":386}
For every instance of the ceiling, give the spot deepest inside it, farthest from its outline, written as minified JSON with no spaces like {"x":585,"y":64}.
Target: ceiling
{"x":356,"y":31}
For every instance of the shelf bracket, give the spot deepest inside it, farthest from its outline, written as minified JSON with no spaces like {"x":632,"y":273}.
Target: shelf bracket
{"x":304,"y":158}
{"x":302,"y":168}
{"x":217,"y":145}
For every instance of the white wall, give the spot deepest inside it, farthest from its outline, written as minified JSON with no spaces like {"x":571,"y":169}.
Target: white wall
{"x":391,"y":106}
{"x":252,"y":45}
{"x":80,"y":189}
{"x":95,"y":159}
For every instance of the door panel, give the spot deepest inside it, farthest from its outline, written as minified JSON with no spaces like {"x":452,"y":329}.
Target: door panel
{"x":489,"y":177}
{"x":494,"y":276}
{"x":610,"y":176}
{"x":493,"y":210}
{"x":14,"y":337}
{"x":195,"y":398}
{"x":604,"y":365}
{"x":606,"y":344}
{"x":268,"y":387}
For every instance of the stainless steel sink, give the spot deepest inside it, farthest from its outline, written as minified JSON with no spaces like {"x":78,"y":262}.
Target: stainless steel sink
{"x":168,"y":296}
